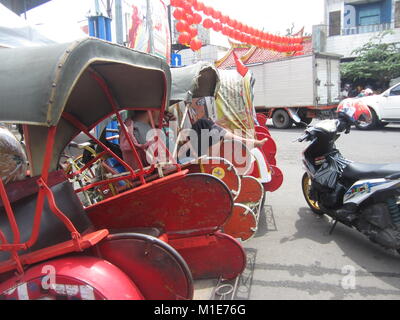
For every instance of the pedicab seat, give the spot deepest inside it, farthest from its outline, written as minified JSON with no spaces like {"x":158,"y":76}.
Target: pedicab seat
{"x":23,"y":196}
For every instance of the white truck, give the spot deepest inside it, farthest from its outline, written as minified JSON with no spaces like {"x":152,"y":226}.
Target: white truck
{"x":302,"y":87}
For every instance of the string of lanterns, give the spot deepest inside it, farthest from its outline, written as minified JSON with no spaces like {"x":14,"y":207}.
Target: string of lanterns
{"x":187,"y":17}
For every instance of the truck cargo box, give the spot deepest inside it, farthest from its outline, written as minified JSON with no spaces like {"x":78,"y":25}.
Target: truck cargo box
{"x":302,"y":81}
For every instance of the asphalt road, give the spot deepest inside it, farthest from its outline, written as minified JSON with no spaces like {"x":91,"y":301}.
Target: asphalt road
{"x":295,"y":257}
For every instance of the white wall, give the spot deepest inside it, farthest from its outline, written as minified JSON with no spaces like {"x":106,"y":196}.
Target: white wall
{"x":208,"y":53}
{"x":344,"y":45}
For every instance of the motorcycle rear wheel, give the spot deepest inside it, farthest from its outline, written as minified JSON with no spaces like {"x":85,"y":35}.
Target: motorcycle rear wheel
{"x":306,"y":185}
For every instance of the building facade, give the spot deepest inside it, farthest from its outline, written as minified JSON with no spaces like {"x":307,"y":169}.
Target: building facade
{"x":351,"y":23}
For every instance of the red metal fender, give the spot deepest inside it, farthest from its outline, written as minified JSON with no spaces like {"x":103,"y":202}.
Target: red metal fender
{"x":269,"y":148}
{"x":252,"y":191}
{"x":261,"y":129}
{"x":157,"y":269}
{"x":74,"y":278}
{"x":221,"y":169}
{"x":242,"y":224}
{"x":212,"y":256}
{"x":196,"y":202}
{"x":262,"y":119}
{"x":277,"y":180}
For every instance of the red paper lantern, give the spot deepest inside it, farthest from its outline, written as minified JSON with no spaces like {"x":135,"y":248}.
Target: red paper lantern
{"x":217,"y":27}
{"x":207,"y":11}
{"x":216,"y":14}
{"x":189,"y":19}
{"x":193,"y":32}
{"x":264,"y":44}
{"x":225,"y":31}
{"x":196,"y":44}
{"x":208,"y":24}
{"x":235,"y":24}
{"x":212,"y":12}
{"x":187,"y":6}
{"x":184,"y":38}
{"x":198,"y":6}
{"x":178,"y":3}
{"x":197,"y":18}
{"x":179,"y":14}
{"x":223,"y":19}
{"x":182,"y":26}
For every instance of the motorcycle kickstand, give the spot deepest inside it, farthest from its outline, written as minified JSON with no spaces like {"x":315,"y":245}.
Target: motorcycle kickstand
{"x":333,"y":227}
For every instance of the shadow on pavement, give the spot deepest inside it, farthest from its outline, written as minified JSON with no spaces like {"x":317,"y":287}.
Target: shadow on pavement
{"x":369,"y":256}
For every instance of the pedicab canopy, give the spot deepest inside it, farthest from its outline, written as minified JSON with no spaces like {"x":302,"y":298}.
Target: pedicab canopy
{"x":194,"y":81}
{"x":38,"y":84}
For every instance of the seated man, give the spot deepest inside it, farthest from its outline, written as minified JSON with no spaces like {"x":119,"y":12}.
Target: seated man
{"x":139,"y":127}
{"x":207,"y":129}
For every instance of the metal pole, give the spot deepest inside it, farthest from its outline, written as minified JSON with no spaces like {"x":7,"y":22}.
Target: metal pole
{"x":97,"y":7}
{"x":150,"y":26}
{"x":109,"y":9}
{"x":25,"y":9}
{"x":119,"y":27}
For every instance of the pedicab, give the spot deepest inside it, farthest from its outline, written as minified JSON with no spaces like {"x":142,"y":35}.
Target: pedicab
{"x":233,"y":161}
{"x":183,"y":211}
{"x":49,"y":246}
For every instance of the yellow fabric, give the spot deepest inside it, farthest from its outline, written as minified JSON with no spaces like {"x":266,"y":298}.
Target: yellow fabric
{"x":234,"y":103}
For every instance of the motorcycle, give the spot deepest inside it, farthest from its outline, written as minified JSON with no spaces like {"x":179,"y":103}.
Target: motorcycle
{"x":361,"y":196}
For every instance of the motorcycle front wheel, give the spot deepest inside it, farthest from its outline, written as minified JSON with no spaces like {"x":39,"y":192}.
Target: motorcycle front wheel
{"x":306,"y":186}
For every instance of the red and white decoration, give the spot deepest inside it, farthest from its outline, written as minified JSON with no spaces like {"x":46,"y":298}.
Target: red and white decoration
{"x":187,"y":12}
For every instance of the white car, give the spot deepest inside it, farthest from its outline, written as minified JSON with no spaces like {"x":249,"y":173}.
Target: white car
{"x":385,"y":108}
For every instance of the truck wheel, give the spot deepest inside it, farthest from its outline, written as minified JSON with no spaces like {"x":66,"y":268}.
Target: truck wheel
{"x":369,"y":126}
{"x":281,"y":119}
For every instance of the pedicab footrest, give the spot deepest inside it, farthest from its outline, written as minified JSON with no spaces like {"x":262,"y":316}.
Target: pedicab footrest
{"x":57,"y":250}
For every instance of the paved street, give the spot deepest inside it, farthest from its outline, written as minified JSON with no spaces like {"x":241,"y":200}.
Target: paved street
{"x":296,"y":258}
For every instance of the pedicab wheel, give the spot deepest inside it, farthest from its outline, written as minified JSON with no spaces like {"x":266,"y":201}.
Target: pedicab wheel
{"x":276,"y":180}
{"x":306,"y":186}
{"x":243,"y":223}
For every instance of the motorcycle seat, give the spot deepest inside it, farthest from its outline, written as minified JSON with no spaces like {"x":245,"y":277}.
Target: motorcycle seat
{"x":360,"y":171}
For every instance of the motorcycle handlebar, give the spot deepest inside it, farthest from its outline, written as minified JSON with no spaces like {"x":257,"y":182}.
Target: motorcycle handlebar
{"x":303,"y":137}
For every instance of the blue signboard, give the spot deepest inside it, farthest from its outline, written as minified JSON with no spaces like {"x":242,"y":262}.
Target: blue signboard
{"x":176,"y":60}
